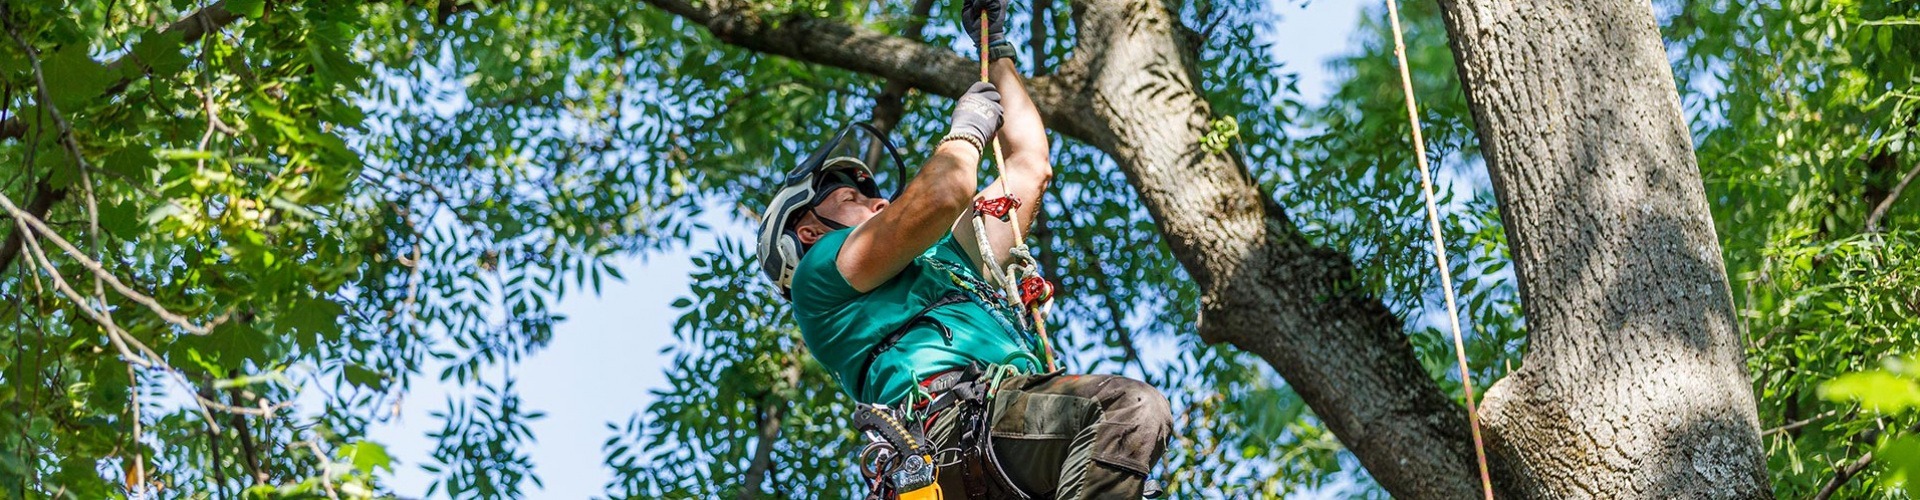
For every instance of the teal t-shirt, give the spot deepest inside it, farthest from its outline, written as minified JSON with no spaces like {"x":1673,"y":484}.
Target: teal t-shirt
{"x":841,"y":324}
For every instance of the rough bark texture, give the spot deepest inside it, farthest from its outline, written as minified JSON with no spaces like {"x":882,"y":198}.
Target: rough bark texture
{"x":1131,"y":91}
{"x":1634,"y":385}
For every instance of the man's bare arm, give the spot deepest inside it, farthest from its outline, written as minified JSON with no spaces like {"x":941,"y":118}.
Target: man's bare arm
{"x":883,"y":245}
{"x":1027,"y":171}
{"x":879,"y":248}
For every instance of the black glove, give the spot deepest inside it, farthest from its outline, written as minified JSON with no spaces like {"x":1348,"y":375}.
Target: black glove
{"x":997,"y":45}
{"x":977,"y":115}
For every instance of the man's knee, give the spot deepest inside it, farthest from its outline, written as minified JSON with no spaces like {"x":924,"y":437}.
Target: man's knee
{"x":1136,"y":421}
{"x":1138,"y":402}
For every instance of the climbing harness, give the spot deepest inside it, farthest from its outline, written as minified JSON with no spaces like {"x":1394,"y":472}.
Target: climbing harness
{"x":1439,"y":248}
{"x":961,"y":396}
{"x":898,"y":458}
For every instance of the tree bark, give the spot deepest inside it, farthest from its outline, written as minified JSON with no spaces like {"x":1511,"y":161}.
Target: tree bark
{"x":1634,"y":384}
{"x":1131,"y":90}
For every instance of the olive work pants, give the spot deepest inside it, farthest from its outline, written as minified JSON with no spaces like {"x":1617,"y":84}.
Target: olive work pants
{"x":1068,"y":437}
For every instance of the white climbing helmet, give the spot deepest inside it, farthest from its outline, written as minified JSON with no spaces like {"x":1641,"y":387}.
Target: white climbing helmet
{"x":833,"y":165}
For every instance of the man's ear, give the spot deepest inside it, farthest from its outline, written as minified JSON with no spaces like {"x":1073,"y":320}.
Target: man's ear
{"x":809,"y":233}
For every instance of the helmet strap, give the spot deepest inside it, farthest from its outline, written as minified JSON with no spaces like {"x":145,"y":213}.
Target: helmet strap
{"x":834,"y":183}
{"x":830,"y":223}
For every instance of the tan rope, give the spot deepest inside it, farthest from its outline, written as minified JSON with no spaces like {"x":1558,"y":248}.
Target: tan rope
{"x":1009,"y":278}
{"x":1439,"y":247}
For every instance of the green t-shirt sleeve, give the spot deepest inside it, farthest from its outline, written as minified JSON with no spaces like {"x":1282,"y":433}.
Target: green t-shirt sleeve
{"x":817,"y":279}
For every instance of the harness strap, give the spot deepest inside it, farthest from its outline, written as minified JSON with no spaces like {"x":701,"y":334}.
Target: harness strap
{"x":891,"y":339}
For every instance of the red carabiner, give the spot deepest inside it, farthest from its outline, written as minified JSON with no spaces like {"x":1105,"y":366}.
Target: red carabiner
{"x":996,"y":207}
{"x":1035,"y":290}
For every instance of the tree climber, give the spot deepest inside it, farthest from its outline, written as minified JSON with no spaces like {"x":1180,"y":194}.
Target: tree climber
{"x":896,"y":307}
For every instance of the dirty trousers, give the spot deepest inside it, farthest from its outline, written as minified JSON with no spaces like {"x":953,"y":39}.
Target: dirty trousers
{"x":1068,"y":437}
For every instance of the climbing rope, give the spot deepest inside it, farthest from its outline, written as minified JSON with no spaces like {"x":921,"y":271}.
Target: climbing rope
{"x":1020,"y":280}
{"x":1439,"y":248}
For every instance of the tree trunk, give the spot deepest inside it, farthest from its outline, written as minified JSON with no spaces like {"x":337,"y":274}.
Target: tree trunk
{"x":1634,"y":384}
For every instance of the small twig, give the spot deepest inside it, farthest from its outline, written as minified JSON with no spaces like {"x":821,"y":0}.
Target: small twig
{"x":263,"y":410}
{"x":1873,"y":221}
{"x":119,"y":337}
{"x":213,"y":449}
{"x":138,"y":483}
{"x":1796,"y":425}
{"x":445,"y":200}
{"x":326,"y":469}
{"x":413,"y":264}
{"x":247,"y":451}
{"x":115,"y":335}
{"x":1842,"y":475}
{"x":98,"y":270}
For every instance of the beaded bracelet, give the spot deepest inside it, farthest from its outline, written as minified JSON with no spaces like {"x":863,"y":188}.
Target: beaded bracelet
{"x":969,"y":138}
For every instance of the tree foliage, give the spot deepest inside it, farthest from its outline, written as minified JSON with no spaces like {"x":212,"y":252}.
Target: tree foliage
{"x":1806,"y":115}
{"x":351,"y":199}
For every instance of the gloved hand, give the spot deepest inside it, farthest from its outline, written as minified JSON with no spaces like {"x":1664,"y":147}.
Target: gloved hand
{"x":997,"y":44}
{"x":977,"y":115}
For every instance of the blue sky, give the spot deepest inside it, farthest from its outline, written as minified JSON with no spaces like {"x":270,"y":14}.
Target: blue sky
{"x":606,"y":357}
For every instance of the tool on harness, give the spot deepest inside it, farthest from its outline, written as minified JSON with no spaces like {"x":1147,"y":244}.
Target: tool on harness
{"x":965,"y":396}
{"x":897,"y":454}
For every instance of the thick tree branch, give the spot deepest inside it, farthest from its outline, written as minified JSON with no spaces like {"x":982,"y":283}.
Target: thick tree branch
{"x":860,"y":49}
{"x":1635,"y":383}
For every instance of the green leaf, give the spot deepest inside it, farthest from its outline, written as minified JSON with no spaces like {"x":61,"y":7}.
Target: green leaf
{"x":364,"y":377}
{"x":1877,"y":390}
{"x":315,"y":317}
{"x":159,"y":52}
{"x":1900,"y":460}
{"x":73,"y":78}
{"x":248,"y":8}
{"x":368,"y":455}
{"x":133,"y":162}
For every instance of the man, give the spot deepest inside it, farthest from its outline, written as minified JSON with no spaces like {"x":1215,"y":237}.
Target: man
{"x":889,"y":297}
